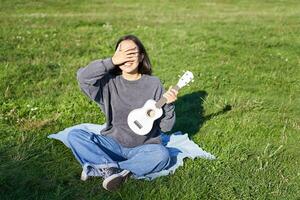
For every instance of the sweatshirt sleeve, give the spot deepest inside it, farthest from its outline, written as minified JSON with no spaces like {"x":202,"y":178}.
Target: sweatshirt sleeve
{"x":168,"y":118}
{"x":92,"y":78}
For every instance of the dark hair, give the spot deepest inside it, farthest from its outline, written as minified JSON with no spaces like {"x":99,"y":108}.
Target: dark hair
{"x":144,"y":66}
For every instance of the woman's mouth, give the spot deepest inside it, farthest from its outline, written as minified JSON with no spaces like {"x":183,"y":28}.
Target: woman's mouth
{"x":128,"y":64}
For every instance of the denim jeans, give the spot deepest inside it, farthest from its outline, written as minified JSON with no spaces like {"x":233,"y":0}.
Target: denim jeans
{"x":100,"y":150}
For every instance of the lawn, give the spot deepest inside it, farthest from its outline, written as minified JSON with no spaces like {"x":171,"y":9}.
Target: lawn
{"x":245,"y":56}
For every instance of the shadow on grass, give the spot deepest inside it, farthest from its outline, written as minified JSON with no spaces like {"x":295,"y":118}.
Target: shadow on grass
{"x":46,"y":173}
{"x":190,"y":112}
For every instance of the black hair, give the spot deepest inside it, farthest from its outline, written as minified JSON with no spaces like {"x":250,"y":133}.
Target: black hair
{"x":144,"y":66}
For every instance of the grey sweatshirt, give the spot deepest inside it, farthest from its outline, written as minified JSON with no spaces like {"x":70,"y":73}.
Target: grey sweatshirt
{"x":117,"y":96}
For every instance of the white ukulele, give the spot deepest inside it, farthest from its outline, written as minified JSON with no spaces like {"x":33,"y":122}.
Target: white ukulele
{"x":141,"y":120}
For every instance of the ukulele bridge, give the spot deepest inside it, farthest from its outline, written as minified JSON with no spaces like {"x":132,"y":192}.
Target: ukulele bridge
{"x":138,"y":124}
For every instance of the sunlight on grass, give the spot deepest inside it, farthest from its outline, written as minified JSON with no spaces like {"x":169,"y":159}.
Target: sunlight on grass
{"x":243,"y":107}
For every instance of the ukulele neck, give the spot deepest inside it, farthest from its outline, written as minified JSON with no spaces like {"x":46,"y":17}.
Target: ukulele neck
{"x":163,"y":100}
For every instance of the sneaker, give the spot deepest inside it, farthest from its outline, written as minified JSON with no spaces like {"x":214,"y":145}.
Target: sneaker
{"x":115,"y":180}
{"x":84,"y":176}
{"x":103,"y":172}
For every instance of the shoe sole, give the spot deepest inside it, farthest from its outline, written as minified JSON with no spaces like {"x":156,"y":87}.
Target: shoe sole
{"x":114,"y":181}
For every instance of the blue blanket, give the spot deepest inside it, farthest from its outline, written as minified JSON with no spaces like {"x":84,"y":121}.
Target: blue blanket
{"x":178,"y":144}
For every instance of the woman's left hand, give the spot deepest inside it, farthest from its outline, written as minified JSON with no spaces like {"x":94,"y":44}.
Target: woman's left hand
{"x":171,"y":95}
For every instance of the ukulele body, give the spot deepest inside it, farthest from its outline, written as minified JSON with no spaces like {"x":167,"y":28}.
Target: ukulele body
{"x":141,"y":120}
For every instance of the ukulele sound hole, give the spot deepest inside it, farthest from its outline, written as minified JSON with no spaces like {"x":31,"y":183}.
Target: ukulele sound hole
{"x":150,"y":113}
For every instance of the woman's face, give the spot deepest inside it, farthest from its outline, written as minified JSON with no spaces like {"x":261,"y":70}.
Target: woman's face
{"x":130,"y":67}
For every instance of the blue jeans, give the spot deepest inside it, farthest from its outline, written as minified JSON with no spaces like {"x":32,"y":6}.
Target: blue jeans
{"x":100,"y":150}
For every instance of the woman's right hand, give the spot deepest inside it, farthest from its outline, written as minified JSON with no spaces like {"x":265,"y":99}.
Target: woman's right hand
{"x":125,"y":55}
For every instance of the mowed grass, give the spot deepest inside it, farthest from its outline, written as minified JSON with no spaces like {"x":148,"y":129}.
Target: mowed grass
{"x":244,"y":55}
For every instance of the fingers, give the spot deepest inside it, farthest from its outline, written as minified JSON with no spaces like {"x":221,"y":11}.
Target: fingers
{"x":129,"y":49}
{"x":119,"y":47}
{"x":171,"y":95}
{"x":130,"y":59}
{"x":173,"y":91}
{"x":132,"y":53}
{"x":126,"y":54}
{"x":132,"y":56}
{"x":170,"y":98}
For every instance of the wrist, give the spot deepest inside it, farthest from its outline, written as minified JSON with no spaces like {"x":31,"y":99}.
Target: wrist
{"x":112,"y":60}
{"x":108,"y":64}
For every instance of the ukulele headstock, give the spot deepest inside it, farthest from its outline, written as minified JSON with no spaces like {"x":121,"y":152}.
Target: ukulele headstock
{"x":185,"y":79}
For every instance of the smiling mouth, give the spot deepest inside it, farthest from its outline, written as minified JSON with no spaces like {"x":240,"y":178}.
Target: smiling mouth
{"x":128,"y":64}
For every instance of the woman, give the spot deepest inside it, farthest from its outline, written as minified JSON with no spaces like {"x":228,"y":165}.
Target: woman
{"x":118,"y":85}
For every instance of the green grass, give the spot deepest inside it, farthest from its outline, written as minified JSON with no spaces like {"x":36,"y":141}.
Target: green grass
{"x":245,"y":54}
